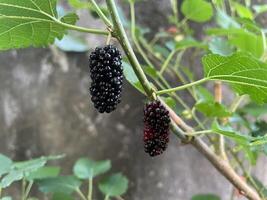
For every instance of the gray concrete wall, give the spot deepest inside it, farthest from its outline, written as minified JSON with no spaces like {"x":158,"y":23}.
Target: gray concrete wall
{"x":45,"y":109}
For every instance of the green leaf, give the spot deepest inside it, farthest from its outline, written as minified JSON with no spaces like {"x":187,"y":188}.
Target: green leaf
{"x":197,"y":10}
{"x":79,"y":4}
{"x":150,"y":71}
{"x":24,"y":168}
{"x":260,"y":8}
{"x":88,"y":169}
{"x":254,"y":109}
{"x":248,"y":42}
{"x":5,"y":164}
{"x":260,"y":129}
{"x":27,"y":23}
{"x":243,"y":39}
{"x":115,"y":185}
{"x":131,"y":77}
{"x":62,"y":196}
{"x":246,"y":74}
{"x":11,"y":177}
{"x":170,"y":102}
{"x":225,"y":21}
{"x":72,"y":43}
{"x":220,"y":46}
{"x":188,"y":43}
{"x":34,"y":164}
{"x":230,"y":133}
{"x":243,"y":11}
{"x":261,"y":186}
{"x":61,"y":184}
{"x":205,"y":197}
{"x":44,"y":172}
{"x":212,"y":109}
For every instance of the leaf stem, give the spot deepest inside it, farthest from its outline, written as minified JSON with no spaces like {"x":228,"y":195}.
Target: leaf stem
{"x":23,"y":187}
{"x":90,"y":189}
{"x":166,"y":63}
{"x":182,"y":87}
{"x":101,"y":14}
{"x":106,"y":197}
{"x":81,"y":195}
{"x":82,"y":29}
{"x":1,"y":191}
{"x":120,"y":34}
{"x":28,"y":189}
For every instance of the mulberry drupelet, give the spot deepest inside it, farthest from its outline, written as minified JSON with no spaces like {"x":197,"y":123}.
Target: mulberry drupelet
{"x":156,"y":128}
{"x":107,"y":78}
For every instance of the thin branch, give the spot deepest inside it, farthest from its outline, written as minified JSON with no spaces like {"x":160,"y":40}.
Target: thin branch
{"x":82,"y":29}
{"x":218,"y":98}
{"x":182,"y":87}
{"x":101,"y":14}
{"x":218,"y":163}
{"x":120,"y":34}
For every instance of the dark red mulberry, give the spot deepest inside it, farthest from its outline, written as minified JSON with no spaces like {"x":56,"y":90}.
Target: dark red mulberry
{"x":156,"y":128}
{"x":107,"y":78}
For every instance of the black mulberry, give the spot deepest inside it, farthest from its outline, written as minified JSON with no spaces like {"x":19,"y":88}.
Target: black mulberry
{"x":107,"y":78}
{"x":156,"y":128}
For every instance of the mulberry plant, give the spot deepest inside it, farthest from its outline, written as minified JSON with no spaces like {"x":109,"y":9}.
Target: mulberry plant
{"x":107,"y":78}
{"x":235,"y":55}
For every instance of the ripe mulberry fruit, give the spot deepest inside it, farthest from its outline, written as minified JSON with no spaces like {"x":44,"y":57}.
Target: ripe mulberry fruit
{"x":156,"y":128}
{"x":107,"y":78}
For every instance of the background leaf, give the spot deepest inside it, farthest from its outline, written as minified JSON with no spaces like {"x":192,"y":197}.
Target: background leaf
{"x":197,"y":10}
{"x":44,"y":172}
{"x":61,"y":184}
{"x":5,"y":164}
{"x":115,"y":185}
{"x":88,"y":169}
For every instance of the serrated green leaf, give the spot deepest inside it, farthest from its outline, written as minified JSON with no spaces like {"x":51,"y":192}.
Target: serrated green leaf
{"x":246,"y":74}
{"x":87,"y":169}
{"x":114,"y":185}
{"x":27,"y":23}
{"x":131,"y":77}
{"x":197,"y":10}
{"x":205,"y":197}
{"x":61,"y":184}
{"x":44,"y":172}
{"x":220,"y":46}
{"x":5,"y":164}
{"x":62,"y":196}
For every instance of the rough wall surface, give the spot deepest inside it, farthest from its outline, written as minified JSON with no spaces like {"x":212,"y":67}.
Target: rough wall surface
{"x":45,"y":109}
